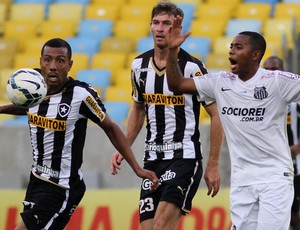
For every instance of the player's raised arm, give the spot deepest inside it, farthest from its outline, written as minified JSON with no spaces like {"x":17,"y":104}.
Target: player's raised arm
{"x":176,"y":82}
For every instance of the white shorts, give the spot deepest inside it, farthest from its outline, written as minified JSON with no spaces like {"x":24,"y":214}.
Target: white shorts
{"x":261,"y":206}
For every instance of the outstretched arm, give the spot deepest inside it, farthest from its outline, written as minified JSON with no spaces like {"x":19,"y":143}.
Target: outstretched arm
{"x":120,"y":142}
{"x":12,"y":110}
{"x":176,"y":82}
{"x":136,"y":120}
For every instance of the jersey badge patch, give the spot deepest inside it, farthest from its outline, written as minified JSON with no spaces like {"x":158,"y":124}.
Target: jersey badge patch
{"x":260,"y":93}
{"x":63,"y":109}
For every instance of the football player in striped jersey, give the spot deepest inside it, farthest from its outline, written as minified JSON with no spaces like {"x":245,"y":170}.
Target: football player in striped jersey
{"x":172,"y":143}
{"x":57,"y":130}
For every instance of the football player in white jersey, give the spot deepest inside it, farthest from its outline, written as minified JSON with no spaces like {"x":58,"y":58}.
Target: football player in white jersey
{"x":56,"y":183}
{"x":293,"y":119}
{"x":252,"y":104}
{"x":172,"y":143}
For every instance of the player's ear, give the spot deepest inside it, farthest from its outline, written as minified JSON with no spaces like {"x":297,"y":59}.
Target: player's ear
{"x":70,"y":64}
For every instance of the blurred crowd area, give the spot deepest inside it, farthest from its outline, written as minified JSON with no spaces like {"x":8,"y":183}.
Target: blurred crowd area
{"x":105,"y":36}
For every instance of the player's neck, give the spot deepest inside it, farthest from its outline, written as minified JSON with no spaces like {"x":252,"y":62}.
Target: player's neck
{"x":160,"y":57}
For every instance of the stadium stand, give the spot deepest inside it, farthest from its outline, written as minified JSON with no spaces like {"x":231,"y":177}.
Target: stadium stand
{"x":217,"y":61}
{"x":111,"y":2}
{"x":197,"y":46}
{"x":260,"y":11}
{"x":135,"y":12}
{"x":97,"y":78}
{"x":20,"y":30}
{"x":236,"y":25}
{"x":118,"y":44}
{"x":82,"y":2}
{"x":109,"y":60}
{"x":34,"y":12}
{"x":212,"y":28}
{"x":144,"y":44}
{"x":66,"y":11}
{"x":95,"y":28}
{"x":131,"y":28}
{"x":189,"y":11}
{"x":80,"y":61}
{"x":284,"y":27}
{"x":35,"y":45}
{"x":26,"y":60}
{"x":58,"y":28}
{"x":288,"y":10}
{"x":118,"y":94}
{"x":102,"y":11}
{"x":213,"y":11}
{"x":3,"y":15}
{"x":85,"y":45}
{"x":124,"y":78}
{"x":113,"y":32}
{"x":291,"y":1}
{"x":6,"y":60}
{"x":117,"y":110}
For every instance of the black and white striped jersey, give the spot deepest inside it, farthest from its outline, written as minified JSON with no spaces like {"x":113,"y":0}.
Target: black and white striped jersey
{"x":58,"y":129}
{"x":172,"y":120}
{"x":293,"y":130}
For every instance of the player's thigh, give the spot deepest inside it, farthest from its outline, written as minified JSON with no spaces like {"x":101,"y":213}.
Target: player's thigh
{"x":146,"y":224}
{"x":275,"y":206}
{"x":167,"y":215}
{"x":244,"y":207}
{"x":20,"y":226}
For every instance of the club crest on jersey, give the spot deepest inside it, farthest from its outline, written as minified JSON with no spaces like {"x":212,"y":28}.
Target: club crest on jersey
{"x":63,"y":109}
{"x":260,"y":93}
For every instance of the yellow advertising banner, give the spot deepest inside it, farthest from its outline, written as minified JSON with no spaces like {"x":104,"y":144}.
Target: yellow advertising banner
{"x":115,"y":209}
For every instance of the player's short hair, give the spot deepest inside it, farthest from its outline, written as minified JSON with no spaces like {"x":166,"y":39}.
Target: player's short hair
{"x":257,"y":41}
{"x":57,"y":43}
{"x":167,"y":7}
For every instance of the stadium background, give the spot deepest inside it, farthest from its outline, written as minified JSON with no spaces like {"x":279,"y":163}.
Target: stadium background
{"x":105,"y":35}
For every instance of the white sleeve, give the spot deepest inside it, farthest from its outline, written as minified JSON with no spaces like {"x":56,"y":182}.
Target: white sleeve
{"x":205,"y":86}
{"x":289,"y":86}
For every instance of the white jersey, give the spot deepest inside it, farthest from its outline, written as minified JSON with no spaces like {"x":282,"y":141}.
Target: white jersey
{"x":253,"y":114}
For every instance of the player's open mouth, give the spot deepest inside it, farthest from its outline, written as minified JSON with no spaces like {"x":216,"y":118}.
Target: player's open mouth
{"x":233,"y":63}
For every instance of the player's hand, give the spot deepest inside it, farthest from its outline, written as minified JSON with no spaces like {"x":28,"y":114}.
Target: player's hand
{"x":144,"y":173}
{"x":175,"y":38}
{"x":212,"y":179}
{"x":115,"y":163}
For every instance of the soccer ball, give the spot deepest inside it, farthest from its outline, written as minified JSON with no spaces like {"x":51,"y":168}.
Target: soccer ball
{"x":26,"y":88}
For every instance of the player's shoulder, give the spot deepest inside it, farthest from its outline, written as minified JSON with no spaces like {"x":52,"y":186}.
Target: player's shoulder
{"x":146,"y":55}
{"x":186,"y":56}
{"x":76,"y":83}
{"x":142,"y":58}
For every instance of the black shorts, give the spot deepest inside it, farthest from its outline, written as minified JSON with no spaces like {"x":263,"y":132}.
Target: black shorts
{"x":48,"y":206}
{"x":296,"y":203}
{"x":179,"y":178}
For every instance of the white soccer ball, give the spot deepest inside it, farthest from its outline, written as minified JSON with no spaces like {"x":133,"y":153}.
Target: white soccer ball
{"x":26,"y":88}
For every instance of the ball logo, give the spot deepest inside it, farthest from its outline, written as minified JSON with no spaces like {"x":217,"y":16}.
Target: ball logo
{"x":34,"y":83}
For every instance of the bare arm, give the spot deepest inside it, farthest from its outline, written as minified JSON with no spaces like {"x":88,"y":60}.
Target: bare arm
{"x":136,"y":120}
{"x":295,"y":149}
{"x":120,"y":142}
{"x":12,"y":110}
{"x":175,"y":79}
{"x":212,"y":173}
